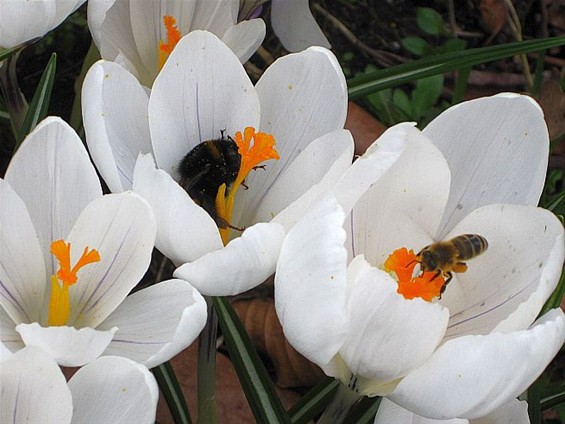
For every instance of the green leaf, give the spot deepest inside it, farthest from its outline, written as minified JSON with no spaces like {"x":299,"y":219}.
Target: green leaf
{"x":555,"y":299}
{"x":256,"y":383}
{"x":401,"y":100}
{"x":416,"y":45}
{"x":372,"y":82}
{"x":453,"y":45}
{"x":37,"y":109}
{"x":172,"y":392}
{"x":314,"y":402}
{"x":426,"y":94}
{"x":552,"y":394}
{"x":429,"y":20}
{"x":6,"y":53}
{"x":364,"y":411}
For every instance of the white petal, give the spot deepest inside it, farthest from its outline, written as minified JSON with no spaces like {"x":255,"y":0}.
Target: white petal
{"x":114,"y":390}
{"x":244,"y":263}
{"x":116,"y":126}
{"x":34,"y":389}
{"x":122,"y":228}
{"x":310,"y":284}
{"x":515,"y":412}
{"x":403,"y":209}
{"x":96,"y":13}
{"x":201,"y":91}
{"x":67,"y":345}
{"x":388,"y":335}
{"x":185,"y":231}
{"x":303,"y":96}
{"x":497,"y":149}
{"x":52,"y":174}
{"x":295,"y":26}
{"x":325,"y":159}
{"x":390,"y":413}
{"x":8,"y":335}
{"x":22,"y":267}
{"x":156,"y":323}
{"x":505,"y":288}
{"x":245,"y":38}
{"x":367,"y":169}
{"x":471,"y":376}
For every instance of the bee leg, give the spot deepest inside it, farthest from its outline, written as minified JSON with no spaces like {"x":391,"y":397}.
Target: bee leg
{"x":437,"y":274}
{"x":460,"y":267}
{"x":449,"y":277}
{"x":245,"y":186}
{"x":255,"y":168}
{"x":222,"y":223}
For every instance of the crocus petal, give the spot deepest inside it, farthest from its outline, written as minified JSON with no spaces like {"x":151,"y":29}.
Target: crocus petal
{"x":403,"y":209}
{"x":392,"y":335}
{"x":295,"y":26}
{"x":114,"y":390}
{"x":67,"y":345}
{"x":515,"y":412}
{"x":502,"y":144}
{"x":390,"y":412}
{"x":8,"y":335}
{"x":116,"y":126}
{"x":62,"y":183}
{"x":156,"y":323}
{"x":326,"y":158}
{"x":96,"y":13}
{"x":185,"y":231}
{"x":34,"y":389}
{"x":310,"y":284}
{"x":122,"y":228}
{"x":471,"y":376}
{"x":244,"y":263}
{"x":22,"y":268}
{"x":23,"y":20}
{"x":245,"y":38}
{"x":505,"y":288}
{"x":201,"y":91}
{"x":295,"y":107}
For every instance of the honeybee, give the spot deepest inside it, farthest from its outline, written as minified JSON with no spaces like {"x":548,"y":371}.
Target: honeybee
{"x":446,"y":257}
{"x":205,"y":168}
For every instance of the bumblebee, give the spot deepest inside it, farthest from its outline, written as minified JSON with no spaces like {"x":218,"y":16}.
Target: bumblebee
{"x":205,"y":168}
{"x":446,"y":257}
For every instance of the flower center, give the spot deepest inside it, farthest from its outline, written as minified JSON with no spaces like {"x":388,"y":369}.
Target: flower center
{"x":252,"y":155}
{"x":59,"y":303}
{"x":173,"y":37}
{"x":426,"y":285}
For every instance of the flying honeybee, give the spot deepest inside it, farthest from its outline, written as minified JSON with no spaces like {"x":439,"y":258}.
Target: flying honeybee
{"x":446,"y":257}
{"x":205,"y":168}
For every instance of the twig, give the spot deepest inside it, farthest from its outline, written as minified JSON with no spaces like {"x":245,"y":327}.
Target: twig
{"x":514,"y":22}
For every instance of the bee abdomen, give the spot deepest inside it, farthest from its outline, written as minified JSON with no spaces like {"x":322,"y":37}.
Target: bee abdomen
{"x":470,"y":245}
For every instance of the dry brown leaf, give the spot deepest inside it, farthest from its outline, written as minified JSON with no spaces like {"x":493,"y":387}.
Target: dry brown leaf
{"x":262,"y":324}
{"x":493,"y":14}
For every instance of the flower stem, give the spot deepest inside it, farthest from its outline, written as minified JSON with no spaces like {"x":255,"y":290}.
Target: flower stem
{"x":14,"y":98}
{"x":339,"y":407}
{"x":207,"y":368}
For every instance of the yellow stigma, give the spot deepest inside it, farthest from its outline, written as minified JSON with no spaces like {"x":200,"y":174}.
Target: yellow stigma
{"x":401,"y":264}
{"x":173,"y":37}
{"x":59,"y":303}
{"x":252,"y":155}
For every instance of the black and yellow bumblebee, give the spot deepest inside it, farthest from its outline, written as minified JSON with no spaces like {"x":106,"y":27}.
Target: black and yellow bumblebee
{"x":205,"y":168}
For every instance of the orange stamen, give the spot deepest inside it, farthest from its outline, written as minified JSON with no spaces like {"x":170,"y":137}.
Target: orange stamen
{"x":426,"y":286}
{"x":59,"y":302}
{"x":262,"y":149}
{"x":173,"y":37}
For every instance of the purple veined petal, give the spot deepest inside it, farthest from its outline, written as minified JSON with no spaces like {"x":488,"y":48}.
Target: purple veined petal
{"x":22,"y":267}
{"x":33,"y":389}
{"x":114,"y":390}
{"x":201,"y":91}
{"x":156,"y":323}
{"x":67,"y":345}
{"x":245,"y":38}
{"x":62,"y":183}
{"x":116,"y":126}
{"x":9,"y":337}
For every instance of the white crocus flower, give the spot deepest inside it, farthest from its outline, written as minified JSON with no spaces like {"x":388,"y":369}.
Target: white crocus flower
{"x":141,"y":34}
{"x":301,"y":100}
{"x":515,"y":412}
{"x":292,"y":21}
{"x":69,"y":257}
{"x":110,"y":389}
{"x":24,"y":20}
{"x":477,"y":169}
